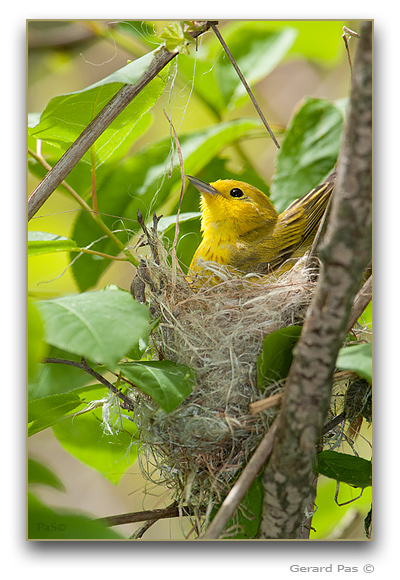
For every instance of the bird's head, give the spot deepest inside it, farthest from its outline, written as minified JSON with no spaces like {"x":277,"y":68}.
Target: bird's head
{"x":235,"y":205}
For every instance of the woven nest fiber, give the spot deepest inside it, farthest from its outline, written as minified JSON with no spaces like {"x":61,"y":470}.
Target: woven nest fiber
{"x":217,"y":330}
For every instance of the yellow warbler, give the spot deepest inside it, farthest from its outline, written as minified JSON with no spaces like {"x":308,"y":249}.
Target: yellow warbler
{"x":242,"y":229}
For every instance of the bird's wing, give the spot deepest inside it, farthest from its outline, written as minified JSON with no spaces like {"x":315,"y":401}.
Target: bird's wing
{"x":313,"y":206}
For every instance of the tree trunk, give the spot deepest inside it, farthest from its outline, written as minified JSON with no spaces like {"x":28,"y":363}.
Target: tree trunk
{"x":345,"y":253}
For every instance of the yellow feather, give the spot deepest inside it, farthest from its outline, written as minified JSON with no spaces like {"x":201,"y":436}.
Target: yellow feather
{"x":242,"y":229}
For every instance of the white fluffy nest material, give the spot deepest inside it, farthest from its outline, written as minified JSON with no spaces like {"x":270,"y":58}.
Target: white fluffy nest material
{"x":218,"y":331}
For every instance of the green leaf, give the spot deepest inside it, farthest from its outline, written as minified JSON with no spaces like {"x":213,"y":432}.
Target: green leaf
{"x":350,"y":469}
{"x":357,"y":358}
{"x":66,"y":116}
{"x":276,"y":357}
{"x":45,"y":243}
{"x":308,"y":153}
{"x":329,"y":514}
{"x":36,"y":346}
{"x":39,"y":473}
{"x":176,"y":36}
{"x":122,"y":195}
{"x":248,"y":516}
{"x":166,"y":382}
{"x":102,"y":326}
{"x":45,"y":523}
{"x":47,"y":411}
{"x":86,"y":439}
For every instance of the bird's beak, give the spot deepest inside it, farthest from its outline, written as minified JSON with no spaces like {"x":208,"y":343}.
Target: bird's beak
{"x":202,"y":186}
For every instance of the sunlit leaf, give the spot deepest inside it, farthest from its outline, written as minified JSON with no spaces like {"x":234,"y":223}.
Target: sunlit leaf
{"x":102,"y":326}
{"x":45,"y":243}
{"x":66,"y":116}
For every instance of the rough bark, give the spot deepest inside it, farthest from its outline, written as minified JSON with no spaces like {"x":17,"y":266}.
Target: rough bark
{"x":345,"y":253}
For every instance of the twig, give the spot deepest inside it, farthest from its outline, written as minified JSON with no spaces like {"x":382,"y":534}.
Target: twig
{"x":361,"y":301}
{"x":333,"y":422}
{"x":245,"y":84}
{"x":85,"y":367}
{"x":246,"y":478}
{"x":172,"y":511}
{"x":151,"y":237}
{"x":93,"y":131}
{"x":264,"y":404}
{"x":347,"y":31}
{"x":142,"y":530}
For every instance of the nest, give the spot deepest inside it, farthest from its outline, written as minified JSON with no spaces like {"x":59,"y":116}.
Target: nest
{"x":217,"y":330}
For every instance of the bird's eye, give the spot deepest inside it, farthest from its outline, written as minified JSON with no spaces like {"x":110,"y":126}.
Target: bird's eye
{"x":236,"y":192}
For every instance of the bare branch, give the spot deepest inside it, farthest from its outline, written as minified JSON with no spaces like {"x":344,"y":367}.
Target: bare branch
{"x":172,"y":511}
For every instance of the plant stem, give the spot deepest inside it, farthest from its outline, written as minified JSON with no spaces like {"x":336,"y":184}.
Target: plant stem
{"x":100,"y":254}
{"x":96,"y":216}
{"x":85,"y":367}
{"x":245,"y":84}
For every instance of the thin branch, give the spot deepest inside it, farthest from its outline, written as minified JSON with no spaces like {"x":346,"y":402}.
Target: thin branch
{"x":267,"y":403}
{"x":245,"y":84}
{"x":96,"y":216}
{"x":361,"y":301}
{"x":85,"y":367}
{"x":172,"y":511}
{"x":100,"y":254}
{"x":333,"y":422}
{"x":142,"y":530}
{"x":64,"y":184}
{"x":93,"y":131}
